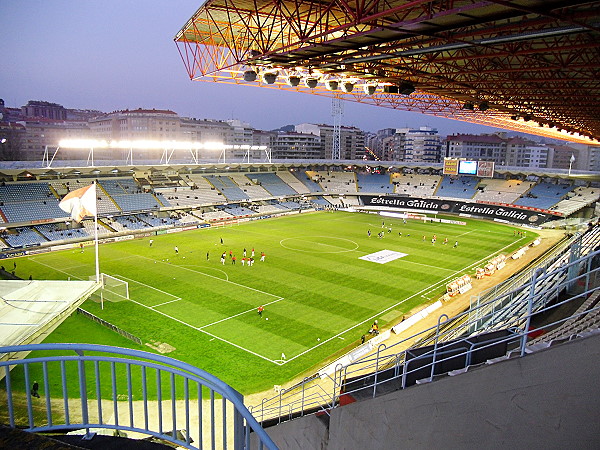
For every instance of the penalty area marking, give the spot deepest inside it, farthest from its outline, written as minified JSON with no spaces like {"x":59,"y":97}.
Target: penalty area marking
{"x":152,"y":308}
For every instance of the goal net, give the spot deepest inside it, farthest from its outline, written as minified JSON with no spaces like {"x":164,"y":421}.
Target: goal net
{"x":112,"y":288}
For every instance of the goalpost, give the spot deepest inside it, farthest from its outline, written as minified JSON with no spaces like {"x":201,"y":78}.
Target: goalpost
{"x":112,"y":288}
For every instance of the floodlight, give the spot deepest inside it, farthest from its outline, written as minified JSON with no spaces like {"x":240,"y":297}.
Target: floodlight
{"x":369,"y":89}
{"x":293,"y":80}
{"x":347,"y":86}
{"x":250,"y":75}
{"x":484,"y":106}
{"x":269,"y":77}
{"x":469,"y":106}
{"x":406,"y":88}
{"x":331,"y":85}
{"x":311,"y":82}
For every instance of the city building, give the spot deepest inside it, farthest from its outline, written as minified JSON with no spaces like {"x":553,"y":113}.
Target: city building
{"x":488,"y":147}
{"x":352,"y":139}
{"x":47,"y":110}
{"x":522,"y":152}
{"x":293,"y":145}
{"x":412,"y":145}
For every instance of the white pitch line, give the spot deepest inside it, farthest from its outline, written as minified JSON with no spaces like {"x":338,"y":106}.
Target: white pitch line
{"x":54,"y":268}
{"x":205,"y":332}
{"x":165,"y":303}
{"x":422,"y":291}
{"x":185,"y":323}
{"x":239,"y":314}
{"x":150,"y":287}
{"x":212,"y":276}
{"x":426,"y":265}
{"x":471,"y":265}
{"x":462,"y":234}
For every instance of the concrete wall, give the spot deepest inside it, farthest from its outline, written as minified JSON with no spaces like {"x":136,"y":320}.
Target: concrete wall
{"x":549,"y":400}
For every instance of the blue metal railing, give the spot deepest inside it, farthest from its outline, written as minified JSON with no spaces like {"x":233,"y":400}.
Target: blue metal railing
{"x":107,"y":387}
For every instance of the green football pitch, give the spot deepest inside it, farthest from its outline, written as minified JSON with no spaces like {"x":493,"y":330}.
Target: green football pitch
{"x":319,"y":296}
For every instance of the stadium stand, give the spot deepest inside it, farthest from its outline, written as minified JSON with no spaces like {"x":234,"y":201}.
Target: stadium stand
{"x":274,"y":184}
{"x":544,"y":195}
{"x":160,"y":180}
{"x":215,"y":215}
{"x":270,"y":208}
{"x":292,"y":180}
{"x":228,"y":188}
{"x":457,"y":187}
{"x":337,"y":182}
{"x":237,"y":211}
{"x":320,"y":201}
{"x":26,"y":202}
{"x":102,"y":229}
{"x":119,"y":195}
{"x":27,"y":211}
{"x":577,"y":199}
{"x":586,"y":318}
{"x":129,"y":223}
{"x":21,"y":237}
{"x":207,"y":194}
{"x":372,"y":183}
{"x":309,"y":179}
{"x":415,"y":185}
{"x":53,"y":233}
{"x":501,"y":191}
{"x":136,"y":202}
{"x":254,"y":191}
{"x":154,"y":221}
{"x":291,"y":205}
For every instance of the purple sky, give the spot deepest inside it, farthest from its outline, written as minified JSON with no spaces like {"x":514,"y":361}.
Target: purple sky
{"x":119,"y":54}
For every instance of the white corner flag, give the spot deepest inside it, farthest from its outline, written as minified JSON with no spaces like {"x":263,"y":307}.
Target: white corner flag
{"x":572,"y":160}
{"x":80,"y":203}
{"x":283,"y":356}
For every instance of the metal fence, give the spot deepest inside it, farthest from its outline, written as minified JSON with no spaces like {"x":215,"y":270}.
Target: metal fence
{"x":88,"y":387}
{"x":110,"y":326}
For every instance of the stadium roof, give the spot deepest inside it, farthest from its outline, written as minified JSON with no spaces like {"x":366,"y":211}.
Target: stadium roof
{"x":527,"y":65}
{"x":30,"y":309}
{"x":25,"y":171}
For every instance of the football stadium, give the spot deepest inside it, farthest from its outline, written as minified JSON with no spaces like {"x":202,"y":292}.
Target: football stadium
{"x":293,"y":286}
{"x":190,"y":302}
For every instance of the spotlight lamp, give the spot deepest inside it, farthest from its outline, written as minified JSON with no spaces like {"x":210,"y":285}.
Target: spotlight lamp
{"x":269,"y":77}
{"x":331,"y":85}
{"x":527,"y":118}
{"x":369,"y":89}
{"x":515,"y":117}
{"x":250,"y":75}
{"x":311,"y":82}
{"x":293,"y":80}
{"x":347,"y":86}
{"x":484,"y":106}
{"x":406,"y":88}
{"x":469,"y":106}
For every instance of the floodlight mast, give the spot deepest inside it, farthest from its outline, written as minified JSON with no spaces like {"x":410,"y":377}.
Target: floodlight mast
{"x":337,"y":111}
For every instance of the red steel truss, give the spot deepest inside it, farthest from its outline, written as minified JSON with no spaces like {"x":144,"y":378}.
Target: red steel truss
{"x":528,"y":65}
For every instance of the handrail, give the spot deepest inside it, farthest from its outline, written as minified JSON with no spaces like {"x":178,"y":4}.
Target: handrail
{"x":177,"y":371}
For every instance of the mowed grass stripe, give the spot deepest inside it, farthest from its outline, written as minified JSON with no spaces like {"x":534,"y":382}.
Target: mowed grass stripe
{"x":326,"y":294}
